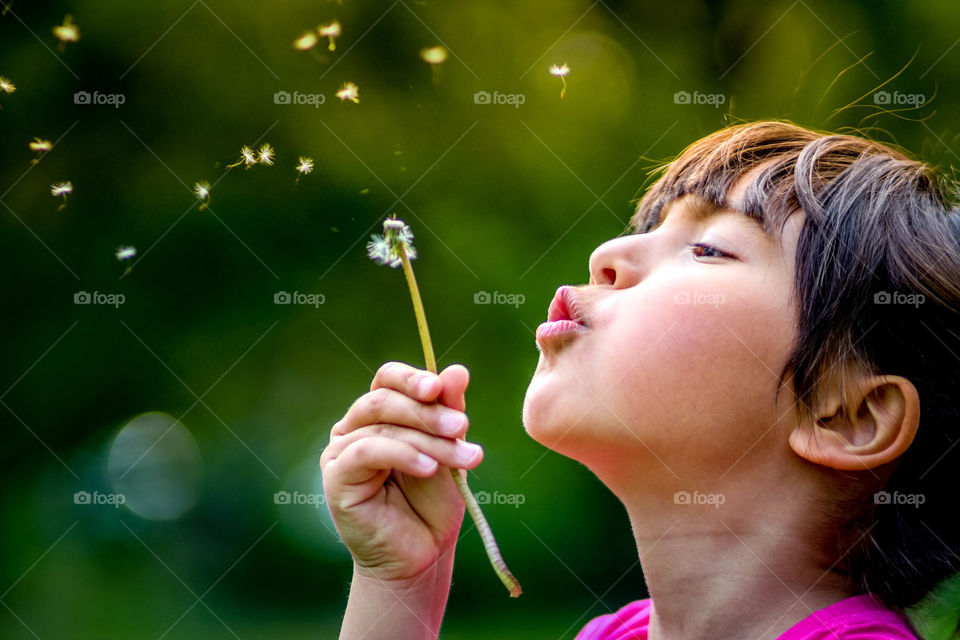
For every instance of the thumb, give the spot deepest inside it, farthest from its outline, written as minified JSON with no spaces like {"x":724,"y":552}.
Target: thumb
{"x":454,"y":379}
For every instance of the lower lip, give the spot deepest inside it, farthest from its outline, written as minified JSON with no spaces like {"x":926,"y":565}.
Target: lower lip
{"x":558,"y":328}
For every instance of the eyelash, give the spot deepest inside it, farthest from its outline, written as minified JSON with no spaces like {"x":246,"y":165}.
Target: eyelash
{"x":700,"y":245}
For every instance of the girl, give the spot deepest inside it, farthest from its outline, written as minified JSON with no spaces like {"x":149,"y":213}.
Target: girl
{"x":745,"y":371}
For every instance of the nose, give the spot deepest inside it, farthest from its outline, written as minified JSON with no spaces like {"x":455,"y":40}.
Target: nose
{"x":611,"y":263}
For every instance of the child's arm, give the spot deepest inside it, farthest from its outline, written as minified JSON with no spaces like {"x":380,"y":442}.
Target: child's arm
{"x":397,"y":513}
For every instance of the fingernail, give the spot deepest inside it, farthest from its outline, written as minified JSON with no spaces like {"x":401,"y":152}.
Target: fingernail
{"x":466,"y":452}
{"x":451,"y":422}
{"x":425,"y":385}
{"x":425,"y":462}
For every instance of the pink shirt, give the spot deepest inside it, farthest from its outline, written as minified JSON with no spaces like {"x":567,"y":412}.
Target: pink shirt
{"x":855,"y":618}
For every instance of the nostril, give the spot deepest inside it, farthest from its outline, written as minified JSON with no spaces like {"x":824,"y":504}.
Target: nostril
{"x":610,"y":275}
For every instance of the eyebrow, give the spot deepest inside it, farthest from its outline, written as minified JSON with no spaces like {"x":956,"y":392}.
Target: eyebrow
{"x":701,"y":209}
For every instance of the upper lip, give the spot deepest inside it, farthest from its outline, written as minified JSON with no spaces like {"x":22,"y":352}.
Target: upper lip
{"x":566,"y":305}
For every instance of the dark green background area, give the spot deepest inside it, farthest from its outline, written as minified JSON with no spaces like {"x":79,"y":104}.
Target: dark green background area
{"x":502,"y":199}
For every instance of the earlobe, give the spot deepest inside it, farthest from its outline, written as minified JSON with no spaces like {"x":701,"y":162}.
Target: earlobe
{"x":876,"y":427}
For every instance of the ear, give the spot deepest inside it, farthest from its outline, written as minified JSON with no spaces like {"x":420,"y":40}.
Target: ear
{"x":875,"y":427}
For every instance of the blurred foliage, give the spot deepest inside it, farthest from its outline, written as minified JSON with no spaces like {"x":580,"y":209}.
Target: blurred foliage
{"x":501,"y":198}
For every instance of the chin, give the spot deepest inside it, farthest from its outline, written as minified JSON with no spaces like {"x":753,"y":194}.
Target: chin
{"x":548,"y":413}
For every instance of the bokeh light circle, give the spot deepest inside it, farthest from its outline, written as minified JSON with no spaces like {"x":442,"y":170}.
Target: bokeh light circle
{"x":155,"y":462}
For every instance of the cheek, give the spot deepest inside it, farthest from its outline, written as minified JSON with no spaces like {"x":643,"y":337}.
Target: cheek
{"x":687,"y":372}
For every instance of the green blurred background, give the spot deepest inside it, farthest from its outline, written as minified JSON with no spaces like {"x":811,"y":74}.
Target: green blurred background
{"x":501,"y":198}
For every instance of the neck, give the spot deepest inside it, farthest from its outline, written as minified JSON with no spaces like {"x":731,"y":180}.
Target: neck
{"x":730,"y":575}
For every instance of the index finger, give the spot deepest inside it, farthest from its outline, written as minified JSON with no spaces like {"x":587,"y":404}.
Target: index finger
{"x":447,"y":388}
{"x":418,"y":384}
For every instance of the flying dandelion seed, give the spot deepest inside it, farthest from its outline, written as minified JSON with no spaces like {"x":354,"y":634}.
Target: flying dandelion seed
{"x":434,"y":56}
{"x":6,"y":85}
{"x":66,"y":32}
{"x":561,"y":72}
{"x":304,"y":166}
{"x":59,"y":189}
{"x":125,"y":253}
{"x":331,"y":32}
{"x":202,"y":191}
{"x":40,"y":147}
{"x":349,"y":91}
{"x":266,"y":154}
{"x":248,"y":157}
{"x":307,"y":41}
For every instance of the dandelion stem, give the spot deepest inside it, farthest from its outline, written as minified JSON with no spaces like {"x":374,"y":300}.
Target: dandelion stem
{"x":486,"y":534}
{"x":418,"y":311}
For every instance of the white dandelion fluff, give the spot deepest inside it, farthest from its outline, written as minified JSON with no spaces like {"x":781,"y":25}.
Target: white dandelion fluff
{"x":386,"y":248}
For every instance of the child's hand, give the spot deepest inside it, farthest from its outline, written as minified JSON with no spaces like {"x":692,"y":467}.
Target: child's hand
{"x":396,"y":508}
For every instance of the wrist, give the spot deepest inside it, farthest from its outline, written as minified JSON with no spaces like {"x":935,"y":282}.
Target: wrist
{"x":398,"y":608}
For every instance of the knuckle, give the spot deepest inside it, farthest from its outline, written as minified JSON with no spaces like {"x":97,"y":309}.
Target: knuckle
{"x":408,"y":375}
{"x":376,"y":430}
{"x":323,"y":459}
{"x":376,"y":401}
{"x":383,"y":371}
{"x":361,"y":449}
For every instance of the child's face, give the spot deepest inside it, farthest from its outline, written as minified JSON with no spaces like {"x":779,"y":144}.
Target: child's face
{"x":677,"y":373}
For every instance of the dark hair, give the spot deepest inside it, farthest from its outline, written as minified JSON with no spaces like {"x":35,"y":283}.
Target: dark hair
{"x":877,"y":225}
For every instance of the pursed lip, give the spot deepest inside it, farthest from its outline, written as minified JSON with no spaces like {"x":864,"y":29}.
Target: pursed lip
{"x":565,"y":317}
{"x":566,"y":306}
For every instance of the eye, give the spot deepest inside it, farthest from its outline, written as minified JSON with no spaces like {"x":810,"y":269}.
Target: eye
{"x":702,"y":250}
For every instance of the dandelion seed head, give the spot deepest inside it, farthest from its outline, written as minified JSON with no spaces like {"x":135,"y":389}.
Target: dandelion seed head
{"x":40,"y":146}
{"x":202,"y":190}
{"x":6,"y":85}
{"x":307,"y":41}
{"x":433,"y":55}
{"x":68,"y":31}
{"x":58,"y":189}
{"x":386,"y":249}
{"x":125,"y":253}
{"x":266,"y":154}
{"x":305,"y":165}
{"x":349,"y":91}
{"x":331,"y":30}
{"x":559,"y":70}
